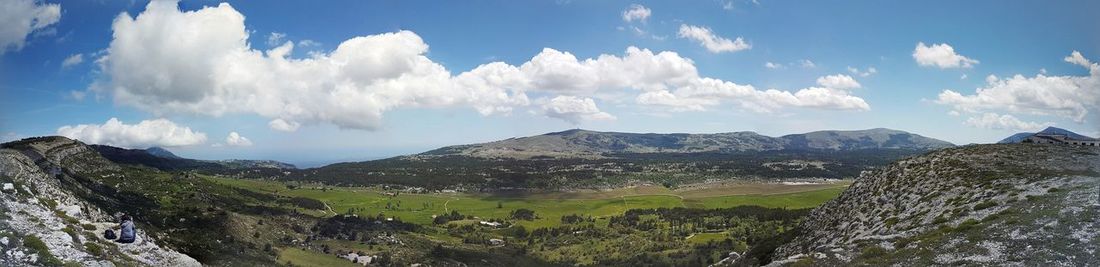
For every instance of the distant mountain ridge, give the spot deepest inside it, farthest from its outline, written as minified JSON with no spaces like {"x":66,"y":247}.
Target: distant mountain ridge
{"x":585,"y":143}
{"x":163,"y":159}
{"x":1019,"y":137}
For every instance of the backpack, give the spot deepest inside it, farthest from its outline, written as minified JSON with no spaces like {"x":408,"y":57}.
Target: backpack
{"x":108,"y":234}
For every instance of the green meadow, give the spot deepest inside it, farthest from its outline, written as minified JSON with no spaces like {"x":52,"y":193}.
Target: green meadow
{"x":549,"y":207}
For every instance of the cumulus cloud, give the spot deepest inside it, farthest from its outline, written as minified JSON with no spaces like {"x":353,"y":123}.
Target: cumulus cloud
{"x":72,"y":60}
{"x":1065,"y":96}
{"x":283,"y":125}
{"x":636,"y":12}
{"x":574,"y":109}
{"x":941,"y":55}
{"x":839,"y":81}
{"x":712,"y":42}
{"x":147,"y":133}
{"x":220,"y":73}
{"x":1003,"y":122}
{"x":705,"y":92}
{"x":19,"y":18}
{"x":212,"y":70}
{"x":772,"y":65}
{"x":235,"y":139}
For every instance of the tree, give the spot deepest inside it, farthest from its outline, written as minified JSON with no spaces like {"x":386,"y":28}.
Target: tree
{"x":524,"y":214}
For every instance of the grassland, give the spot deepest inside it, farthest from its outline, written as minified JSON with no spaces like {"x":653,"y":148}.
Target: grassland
{"x":549,"y":207}
{"x":300,"y":257}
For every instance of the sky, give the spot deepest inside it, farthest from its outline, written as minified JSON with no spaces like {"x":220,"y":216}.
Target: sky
{"x":313,"y":83}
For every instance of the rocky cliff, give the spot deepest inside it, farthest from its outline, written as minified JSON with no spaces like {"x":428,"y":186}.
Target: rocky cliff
{"x":1011,"y":204}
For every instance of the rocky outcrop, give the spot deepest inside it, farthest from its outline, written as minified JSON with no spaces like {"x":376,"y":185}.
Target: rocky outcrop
{"x":983,"y":204}
{"x":45,"y":223}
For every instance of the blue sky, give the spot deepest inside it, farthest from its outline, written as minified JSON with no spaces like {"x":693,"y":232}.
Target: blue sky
{"x":380,"y":96}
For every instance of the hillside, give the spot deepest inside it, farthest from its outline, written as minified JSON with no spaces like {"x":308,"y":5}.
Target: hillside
{"x":586,"y":159}
{"x":47,"y":207}
{"x":590,"y":144}
{"x":1014,"y":204}
{"x":165,"y":160}
{"x":66,"y":194}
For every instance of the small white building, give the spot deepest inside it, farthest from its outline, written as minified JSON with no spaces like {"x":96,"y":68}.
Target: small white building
{"x":491,"y":224}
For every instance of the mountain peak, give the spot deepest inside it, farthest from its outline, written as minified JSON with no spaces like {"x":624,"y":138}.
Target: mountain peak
{"x":161,"y":152}
{"x":1016,"y":138}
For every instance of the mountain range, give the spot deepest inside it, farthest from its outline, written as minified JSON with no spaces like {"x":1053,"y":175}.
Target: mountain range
{"x":590,"y":159}
{"x":1016,"y":138}
{"x":584,"y":143}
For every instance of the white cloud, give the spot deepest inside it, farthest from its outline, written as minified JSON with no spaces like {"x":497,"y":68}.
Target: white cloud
{"x":838,"y":81}
{"x":235,"y":139}
{"x":941,"y":55}
{"x":712,"y":42}
{"x":963,"y":77}
{"x":705,"y":92}
{"x":351,"y":86}
{"x":147,"y":133}
{"x":773,"y":66}
{"x":806,"y":63}
{"x":283,"y":125}
{"x":1065,"y":96}
{"x":19,"y":18}
{"x":574,"y":109}
{"x":276,"y":39}
{"x":308,"y":43}
{"x":213,"y":71}
{"x":1003,"y":122}
{"x":72,"y":60}
{"x":636,"y":12}
{"x":868,"y":72}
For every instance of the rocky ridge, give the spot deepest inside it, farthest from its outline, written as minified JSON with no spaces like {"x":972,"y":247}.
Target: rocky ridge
{"x":46,"y":223}
{"x":1013,"y":204}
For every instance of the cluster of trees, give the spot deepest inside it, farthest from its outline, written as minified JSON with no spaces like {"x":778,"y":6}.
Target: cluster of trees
{"x":524,"y":214}
{"x":574,"y":219}
{"x":348,"y":227}
{"x":447,"y":217}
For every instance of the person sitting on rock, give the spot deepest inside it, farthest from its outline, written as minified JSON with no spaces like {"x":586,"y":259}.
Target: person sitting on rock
{"x":126,"y":232}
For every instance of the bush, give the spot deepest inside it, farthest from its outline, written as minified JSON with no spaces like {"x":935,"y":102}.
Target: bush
{"x":44,"y":256}
{"x":985,"y":205}
{"x":88,"y":227}
{"x":524,"y":214}
{"x":93,"y":249}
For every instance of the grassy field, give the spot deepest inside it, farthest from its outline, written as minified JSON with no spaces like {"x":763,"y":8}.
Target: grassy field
{"x":301,"y":257}
{"x":549,"y":207}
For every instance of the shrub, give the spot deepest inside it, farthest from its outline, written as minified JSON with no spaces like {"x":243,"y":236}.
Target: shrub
{"x":524,"y":214}
{"x":36,"y":244}
{"x":93,"y":249}
{"x":985,"y":205}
